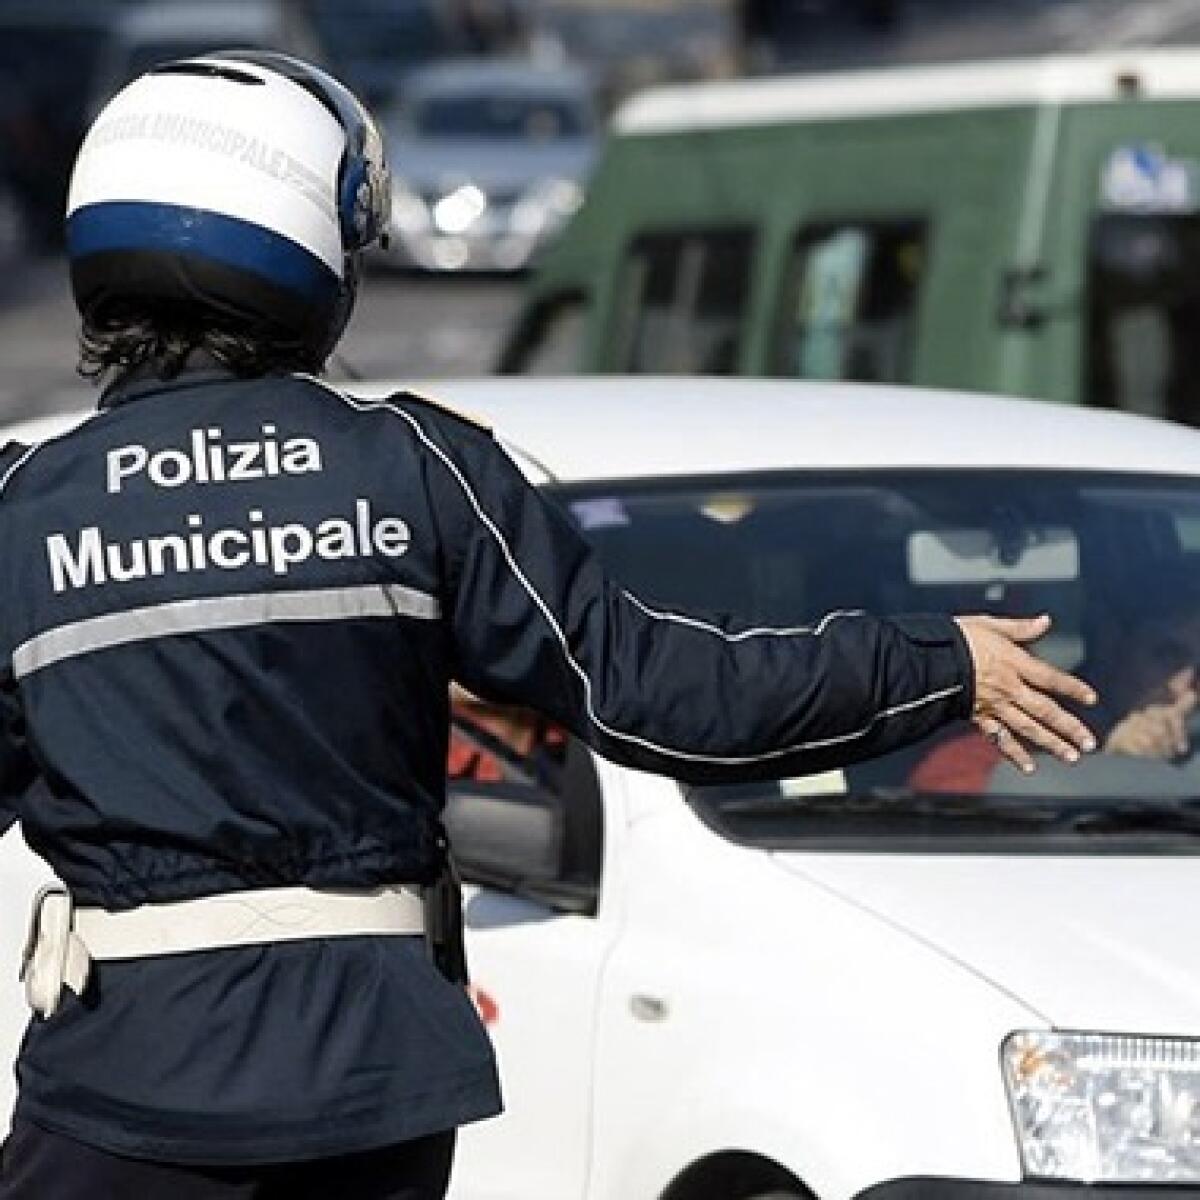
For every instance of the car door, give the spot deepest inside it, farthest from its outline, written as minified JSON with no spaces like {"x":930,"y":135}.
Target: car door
{"x":538,"y":934}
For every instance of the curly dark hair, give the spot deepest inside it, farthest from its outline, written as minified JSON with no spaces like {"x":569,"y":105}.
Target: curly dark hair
{"x":126,"y":339}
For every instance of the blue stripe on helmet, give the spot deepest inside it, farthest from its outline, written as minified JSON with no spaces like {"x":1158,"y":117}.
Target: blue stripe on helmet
{"x":174,"y":229}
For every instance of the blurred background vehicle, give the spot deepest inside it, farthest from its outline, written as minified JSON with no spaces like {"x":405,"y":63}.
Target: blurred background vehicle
{"x":1024,"y":226}
{"x":489,"y":162}
{"x":145,"y":35}
{"x":373,"y":44}
{"x":628,"y":45}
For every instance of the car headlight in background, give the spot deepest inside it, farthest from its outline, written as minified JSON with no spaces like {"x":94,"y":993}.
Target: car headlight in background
{"x":546,"y":206}
{"x":1105,"y":1107}
{"x":458,"y":210}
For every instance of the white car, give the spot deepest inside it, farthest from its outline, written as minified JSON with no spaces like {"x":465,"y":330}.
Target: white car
{"x":924,"y":976}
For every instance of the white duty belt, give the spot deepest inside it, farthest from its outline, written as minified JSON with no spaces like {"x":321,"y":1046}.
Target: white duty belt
{"x":64,"y":941}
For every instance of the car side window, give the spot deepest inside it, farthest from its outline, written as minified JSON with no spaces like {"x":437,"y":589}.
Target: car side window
{"x":525,"y":811}
{"x":549,"y":339}
{"x":683,"y":298}
{"x":849,"y":303}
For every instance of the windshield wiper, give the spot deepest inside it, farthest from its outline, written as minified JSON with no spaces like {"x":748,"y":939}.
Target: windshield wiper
{"x":1137,"y":816}
{"x":900,"y":802}
{"x":1047,"y":813}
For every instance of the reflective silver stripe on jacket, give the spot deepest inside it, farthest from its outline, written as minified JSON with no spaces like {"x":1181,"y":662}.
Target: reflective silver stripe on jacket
{"x":220,"y":612}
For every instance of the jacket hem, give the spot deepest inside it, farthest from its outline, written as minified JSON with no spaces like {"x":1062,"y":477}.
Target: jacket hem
{"x":475,"y":1097}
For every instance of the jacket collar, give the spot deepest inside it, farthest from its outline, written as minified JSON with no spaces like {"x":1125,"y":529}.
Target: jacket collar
{"x":145,"y":381}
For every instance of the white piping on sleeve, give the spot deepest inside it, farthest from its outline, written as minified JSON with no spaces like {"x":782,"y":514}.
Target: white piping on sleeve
{"x":744,"y":634}
{"x":30,"y":451}
{"x":560,"y":636}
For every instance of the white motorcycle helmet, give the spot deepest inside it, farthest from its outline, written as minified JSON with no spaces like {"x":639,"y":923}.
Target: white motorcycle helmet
{"x":242,"y":184}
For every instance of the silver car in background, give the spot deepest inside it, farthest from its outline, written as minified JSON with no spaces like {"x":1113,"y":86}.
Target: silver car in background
{"x":490,"y":160}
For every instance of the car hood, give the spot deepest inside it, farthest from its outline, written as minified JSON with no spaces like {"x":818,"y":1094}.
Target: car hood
{"x":494,"y":166}
{"x":1099,"y":942}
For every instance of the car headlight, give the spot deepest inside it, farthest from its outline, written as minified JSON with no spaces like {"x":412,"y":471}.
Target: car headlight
{"x":1105,"y":1107}
{"x":547,"y":205}
{"x":559,"y":195}
{"x":458,"y":210}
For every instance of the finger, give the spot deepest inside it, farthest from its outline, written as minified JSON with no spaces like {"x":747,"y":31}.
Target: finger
{"x":1055,"y":718}
{"x":1047,"y":678}
{"x":1010,"y":747}
{"x":1033,"y":731}
{"x":1019,"y":629}
{"x":1182,"y":683}
{"x":990,"y":728}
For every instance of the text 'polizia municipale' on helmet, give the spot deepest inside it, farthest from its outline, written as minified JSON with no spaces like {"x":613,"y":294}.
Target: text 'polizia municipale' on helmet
{"x":243,"y":183}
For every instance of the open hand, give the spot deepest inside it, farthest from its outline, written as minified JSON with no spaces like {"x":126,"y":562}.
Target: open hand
{"x":1015,"y":692}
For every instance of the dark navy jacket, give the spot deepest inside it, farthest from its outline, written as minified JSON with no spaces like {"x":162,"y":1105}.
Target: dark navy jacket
{"x":231,"y":613}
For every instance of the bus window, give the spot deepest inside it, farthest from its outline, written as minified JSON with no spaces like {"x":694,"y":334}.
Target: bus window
{"x":1141,"y":352}
{"x":683,"y":296}
{"x":849,"y":303}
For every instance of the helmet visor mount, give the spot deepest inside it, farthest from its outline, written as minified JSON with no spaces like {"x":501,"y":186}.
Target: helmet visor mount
{"x":364,"y":188}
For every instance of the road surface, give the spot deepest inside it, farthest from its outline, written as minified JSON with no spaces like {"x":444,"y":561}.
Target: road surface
{"x":406,"y":327}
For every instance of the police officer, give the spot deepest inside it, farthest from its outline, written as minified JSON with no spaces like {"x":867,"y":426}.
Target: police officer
{"x":235,"y":601}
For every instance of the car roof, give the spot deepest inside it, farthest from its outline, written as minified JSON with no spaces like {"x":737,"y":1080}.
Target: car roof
{"x":582,"y":428}
{"x":1153,"y":74}
{"x":611,"y":427}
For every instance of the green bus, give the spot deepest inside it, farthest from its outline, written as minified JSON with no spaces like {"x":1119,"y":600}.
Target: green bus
{"x":1022,"y":226}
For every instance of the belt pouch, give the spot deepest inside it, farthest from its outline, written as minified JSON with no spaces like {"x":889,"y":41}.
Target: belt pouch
{"x":444,"y":925}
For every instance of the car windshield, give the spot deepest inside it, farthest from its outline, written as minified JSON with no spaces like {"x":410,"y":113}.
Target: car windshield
{"x":1112,"y":558}
{"x":499,"y":116}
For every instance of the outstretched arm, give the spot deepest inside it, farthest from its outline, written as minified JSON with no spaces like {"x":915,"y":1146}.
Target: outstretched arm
{"x":536,"y":621}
